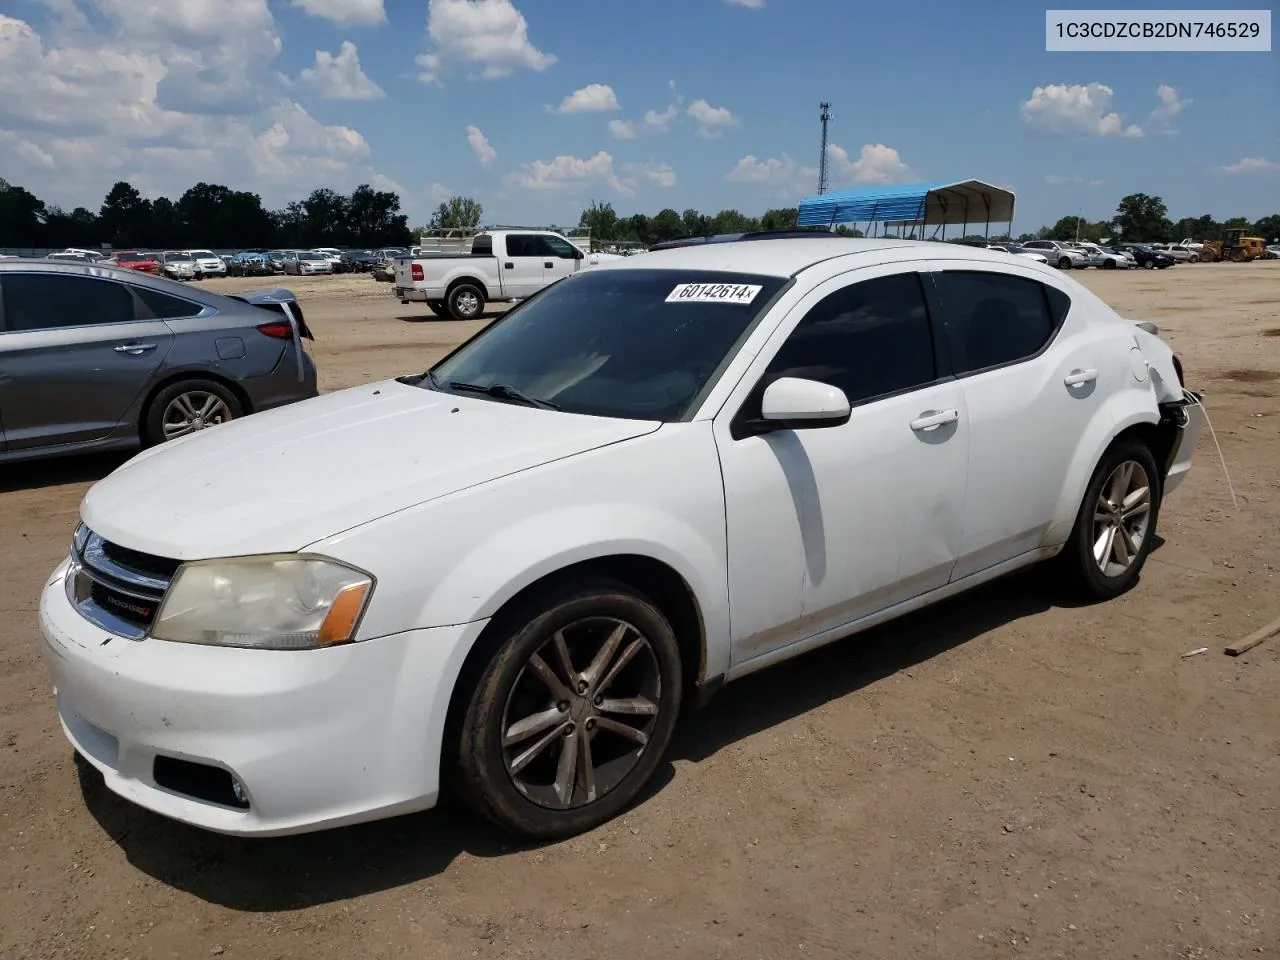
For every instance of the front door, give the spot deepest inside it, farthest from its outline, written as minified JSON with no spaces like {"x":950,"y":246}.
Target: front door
{"x":73,"y":359}
{"x":522,"y":266}
{"x":826,"y":526}
{"x":1033,"y":379}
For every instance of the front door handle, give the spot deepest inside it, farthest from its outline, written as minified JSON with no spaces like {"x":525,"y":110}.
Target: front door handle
{"x":134,"y":349}
{"x":549,"y":265}
{"x":509,"y":266}
{"x":932,"y":419}
{"x":1078,"y":378}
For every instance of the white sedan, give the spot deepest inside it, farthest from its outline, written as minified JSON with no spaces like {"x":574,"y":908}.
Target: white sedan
{"x":511,"y":573}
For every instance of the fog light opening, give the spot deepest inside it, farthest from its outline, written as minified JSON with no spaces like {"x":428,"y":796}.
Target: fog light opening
{"x":237,"y":788}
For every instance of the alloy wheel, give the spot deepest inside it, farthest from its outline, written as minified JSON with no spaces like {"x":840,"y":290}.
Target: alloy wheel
{"x":468,"y":304}
{"x":1121,"y":518}
{"x":194,"y":410}
{"x":581,"y":713}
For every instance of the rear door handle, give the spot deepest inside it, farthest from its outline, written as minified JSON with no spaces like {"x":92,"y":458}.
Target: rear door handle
{"x":549,"y":265}
{"x":134,"y":349}
{"x":509,"y":266}
{"x":932,"y":419}
{"x":1078,"y":378}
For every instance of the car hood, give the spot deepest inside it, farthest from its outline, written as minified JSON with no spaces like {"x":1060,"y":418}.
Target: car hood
{"x":280,"y":480}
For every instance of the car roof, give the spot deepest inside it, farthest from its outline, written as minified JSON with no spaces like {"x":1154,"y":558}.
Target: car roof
{"x":788,"y":257}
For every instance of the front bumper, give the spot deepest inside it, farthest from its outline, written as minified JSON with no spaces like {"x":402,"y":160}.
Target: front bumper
{"x":317,"y":738}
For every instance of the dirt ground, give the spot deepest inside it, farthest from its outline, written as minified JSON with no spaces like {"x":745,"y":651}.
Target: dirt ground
{"x":1006,"y":775}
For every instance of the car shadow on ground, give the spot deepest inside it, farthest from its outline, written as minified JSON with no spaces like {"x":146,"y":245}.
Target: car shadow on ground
{"x":289,"y":873}
{"x":85,"y":468}
{"x":436,"y":318}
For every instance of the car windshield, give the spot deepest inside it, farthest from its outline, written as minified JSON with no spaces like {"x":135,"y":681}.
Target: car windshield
{"x":633,"y":344}
{"x":203,"y":254}
{"x":312,"y":256}
{"x":178,"y":257}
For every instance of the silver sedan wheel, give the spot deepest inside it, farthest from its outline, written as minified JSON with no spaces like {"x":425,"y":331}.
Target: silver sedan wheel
{"x":194,"y":410}
{"x":581,"y":712}
{"x":1121,"y":518}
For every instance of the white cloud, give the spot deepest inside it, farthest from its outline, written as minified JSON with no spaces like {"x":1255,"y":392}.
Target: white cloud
{"x":163,"y":94}
{"x":1170,"y":106}
{"x":480,"y":144}
{"x":340,"y":77}
{"x":781,"y":176}
{"x":1058,"y":179}
{"x":1076,"y":110}
{"x":712,"y":121}
{"x":753,"y":4}
{"x":1251,"y":165}
{"x":438,"y":193}
{"x":566,"y":171}
{"x":491,"y":34}
{"x":660,"y":122}
{"x":593,"y":98}
{"x":876,"y":163}
{"x":657,"y":174}
{"x":622,"y":129}
{"x":347,"y":13}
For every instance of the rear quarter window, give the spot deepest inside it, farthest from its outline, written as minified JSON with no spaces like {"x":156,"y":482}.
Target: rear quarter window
{"x":993,"y":319}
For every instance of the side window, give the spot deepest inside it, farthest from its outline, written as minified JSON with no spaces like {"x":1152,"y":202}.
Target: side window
{"x":995,"y":318}
{"x":555,"y":247}
{"x":522,"y":245}
{"x":46,"y":301}
{"x":869,"y":339}
{"x":482,"y":246}
{"x":164,"y":307}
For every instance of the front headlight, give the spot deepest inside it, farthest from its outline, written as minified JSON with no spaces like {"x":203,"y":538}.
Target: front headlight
{"x":282,"y":602}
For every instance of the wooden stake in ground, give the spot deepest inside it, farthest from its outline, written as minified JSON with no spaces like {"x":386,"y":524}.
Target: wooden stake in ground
{"x":1253,"y":639}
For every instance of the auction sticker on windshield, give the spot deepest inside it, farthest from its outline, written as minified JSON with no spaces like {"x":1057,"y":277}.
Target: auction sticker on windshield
{"x":714,"y":293}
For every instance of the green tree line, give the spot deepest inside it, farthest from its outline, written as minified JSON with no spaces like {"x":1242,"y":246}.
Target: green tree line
{"x":207,"y":215}
{"x":1145,"y":219}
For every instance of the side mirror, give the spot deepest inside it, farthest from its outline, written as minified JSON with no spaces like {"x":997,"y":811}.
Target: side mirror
{"x":791,"y":403}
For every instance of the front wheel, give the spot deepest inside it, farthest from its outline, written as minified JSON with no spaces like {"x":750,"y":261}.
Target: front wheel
{"x":1117,"y":522}
{"x":572,"y":715}
{"x":1064,"y":263}
{"x":466,"y":302}
{"x":1149,"y":265}
{"x":1108,"y":264}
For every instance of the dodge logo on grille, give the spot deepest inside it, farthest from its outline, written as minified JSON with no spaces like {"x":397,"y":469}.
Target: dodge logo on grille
{"x":136,"y":609}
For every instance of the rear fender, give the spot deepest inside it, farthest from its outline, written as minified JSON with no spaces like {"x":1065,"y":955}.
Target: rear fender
{"x":1122,"y":411}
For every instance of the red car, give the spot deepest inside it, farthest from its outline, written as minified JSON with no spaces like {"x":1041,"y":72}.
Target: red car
{"x":134,"y":260}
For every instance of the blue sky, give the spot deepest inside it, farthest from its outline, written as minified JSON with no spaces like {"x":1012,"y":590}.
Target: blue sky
{"x":537,"y":107}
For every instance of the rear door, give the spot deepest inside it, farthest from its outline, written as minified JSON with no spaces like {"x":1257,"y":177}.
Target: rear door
{"x":74,"y":357}
{"x":522,"y":265}
{"x":561,"y":259}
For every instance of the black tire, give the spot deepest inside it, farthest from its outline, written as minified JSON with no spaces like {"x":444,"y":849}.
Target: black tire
{"x":1108,"y":264}
{"x":226,"y":406}
{"x":586,"y":612}
{"x":1148,"y":264}
{"x":1064,"y":263}
{"x":438,"y":308}
{"x":1078,"y":556}
{"x":465,"y":302}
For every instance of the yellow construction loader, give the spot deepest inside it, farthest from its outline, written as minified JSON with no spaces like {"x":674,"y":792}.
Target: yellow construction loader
{"x":1234,"y":246}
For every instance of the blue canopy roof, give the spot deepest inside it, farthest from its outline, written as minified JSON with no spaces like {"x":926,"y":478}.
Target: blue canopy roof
{"x":963,"y":201}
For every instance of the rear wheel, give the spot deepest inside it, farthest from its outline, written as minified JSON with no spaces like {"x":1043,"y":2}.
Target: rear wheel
{"x":466,"y":302}
{"x":1117,"y":522}
{"x":187,"y":406}
{"x":572,"y":715}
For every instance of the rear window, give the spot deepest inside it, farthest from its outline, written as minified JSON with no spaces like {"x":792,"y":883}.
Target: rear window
{"x":634,"y":344}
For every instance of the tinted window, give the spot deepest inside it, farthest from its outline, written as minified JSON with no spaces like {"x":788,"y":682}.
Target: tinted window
{"x":164,"y":307}
{"x":869,"y":339}
{"x":608,"y":343}
{"x":482,"y":246}
{"x":993,"y":318}
{"x":555,"y":247}
{"x":42,"y":301}
{"x":522,"y":245}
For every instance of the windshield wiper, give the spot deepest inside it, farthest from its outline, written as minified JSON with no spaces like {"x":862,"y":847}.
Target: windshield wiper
{"x":501,"y":391}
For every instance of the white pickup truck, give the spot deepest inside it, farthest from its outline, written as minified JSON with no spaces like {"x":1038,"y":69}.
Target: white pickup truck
{"x":503,"y":265}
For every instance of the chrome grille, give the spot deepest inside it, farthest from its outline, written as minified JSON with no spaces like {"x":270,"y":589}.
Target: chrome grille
{"x":117,"y":588}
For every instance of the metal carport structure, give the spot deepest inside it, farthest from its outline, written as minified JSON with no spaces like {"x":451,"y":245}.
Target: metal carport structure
{"x":918,"y":204}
